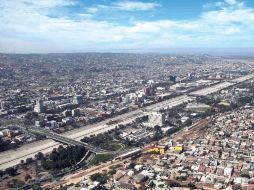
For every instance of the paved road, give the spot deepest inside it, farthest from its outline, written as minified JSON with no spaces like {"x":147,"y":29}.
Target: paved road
{"x":244,"y":78}
{"x":170,"y":103}
{"x":220,"y":86}
{"x":212,"y":89}
{"x":13,"y":157}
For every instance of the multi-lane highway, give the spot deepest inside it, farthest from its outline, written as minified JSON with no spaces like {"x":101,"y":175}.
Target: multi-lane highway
{"x":170,"y":103}
{"x":13,"y":157}
{"x":222,"y":85}
{"x":212,"y":89}
{"x":244,"y":78}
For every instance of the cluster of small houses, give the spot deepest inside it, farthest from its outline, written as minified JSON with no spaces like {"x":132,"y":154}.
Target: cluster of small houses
{"x":222,"y":159}
{"x":12,"y":137}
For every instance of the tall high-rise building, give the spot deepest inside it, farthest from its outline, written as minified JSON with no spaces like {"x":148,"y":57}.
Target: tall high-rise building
{"x":147,"y":91}
{"x":40,"y":107}
{"x":78,"y":99}
{"x":172,"y":78}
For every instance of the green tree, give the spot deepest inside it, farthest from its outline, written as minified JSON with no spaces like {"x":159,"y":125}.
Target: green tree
{"x":245,"y":175}
{"x":112,"y":171}
{"x":102,"y":178}
{"x":99,"y":187}
{"x":132,"y":165}
{"x":39,"y":156}
{"x":29,"y":160}
{"x":11,"y":171}
{"x":37,"y":187}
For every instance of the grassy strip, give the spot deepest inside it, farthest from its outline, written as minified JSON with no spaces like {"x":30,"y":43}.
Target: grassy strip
{"x":99,"y":158}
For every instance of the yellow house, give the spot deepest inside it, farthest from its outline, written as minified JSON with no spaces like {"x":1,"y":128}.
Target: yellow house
{"x":160,"y":148}
{"x":162,"y":151}
{"x":178,"y":148}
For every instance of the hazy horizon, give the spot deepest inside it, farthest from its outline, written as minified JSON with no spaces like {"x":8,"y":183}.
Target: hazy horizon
{"x":245,"y":52}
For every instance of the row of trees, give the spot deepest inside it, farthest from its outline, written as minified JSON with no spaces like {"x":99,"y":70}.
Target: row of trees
{"x":98,"y":139}
{"x":4,"y":144}
{"x":100,"y":177}
{"x":11,"y":171}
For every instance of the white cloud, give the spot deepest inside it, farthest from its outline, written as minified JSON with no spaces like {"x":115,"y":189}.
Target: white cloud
{"x":124,"y":6}
{"x":214,"y":4}
{"x":24,"y":28}
{"x":135,"y":5}
{"x":231,"y":2}
{"x":230,"y":31}
{"x":48,"y":3}
{"x":85,"y":15}
{"x":239,"y":16}
{"x":226,"y":4}
{"x":92,"y":10}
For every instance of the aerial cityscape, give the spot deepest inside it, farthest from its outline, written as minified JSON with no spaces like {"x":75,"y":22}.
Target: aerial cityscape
{"x":127,"y":95}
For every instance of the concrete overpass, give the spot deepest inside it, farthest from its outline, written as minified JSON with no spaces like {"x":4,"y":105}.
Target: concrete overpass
{"x":65,"y":140}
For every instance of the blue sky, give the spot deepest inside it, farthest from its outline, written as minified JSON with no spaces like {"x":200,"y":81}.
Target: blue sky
{"x":42,"y":26}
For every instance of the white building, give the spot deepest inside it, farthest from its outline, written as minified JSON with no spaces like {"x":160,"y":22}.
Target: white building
{"x":156,"y":118}
{"x":51,"y":125}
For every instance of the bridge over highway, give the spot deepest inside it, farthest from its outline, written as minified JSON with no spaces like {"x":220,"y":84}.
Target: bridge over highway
{"x":65,"y":140}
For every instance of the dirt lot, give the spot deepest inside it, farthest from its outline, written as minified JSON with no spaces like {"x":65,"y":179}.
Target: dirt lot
{"x":195,"y":131}
{"x":22,"y":175}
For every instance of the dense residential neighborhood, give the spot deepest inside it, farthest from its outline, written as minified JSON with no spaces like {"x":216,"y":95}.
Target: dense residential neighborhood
{"x":126,"y":121}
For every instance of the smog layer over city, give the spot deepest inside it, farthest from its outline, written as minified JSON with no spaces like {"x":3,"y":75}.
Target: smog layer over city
{"x":127,"y":94}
